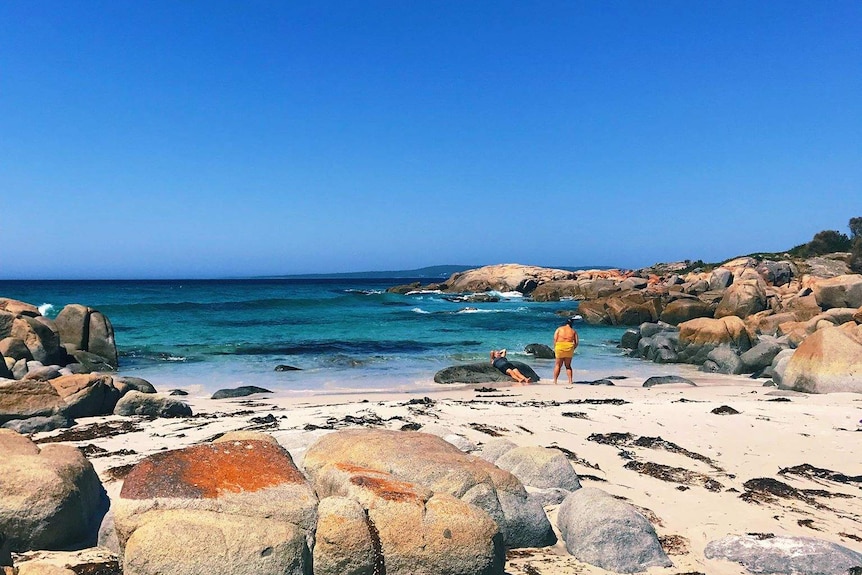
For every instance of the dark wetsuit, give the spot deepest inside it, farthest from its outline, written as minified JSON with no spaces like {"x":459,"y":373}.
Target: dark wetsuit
{"x":503,"y":364}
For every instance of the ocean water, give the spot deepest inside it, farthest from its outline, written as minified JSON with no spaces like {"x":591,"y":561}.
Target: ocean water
{"x":343,"y":335}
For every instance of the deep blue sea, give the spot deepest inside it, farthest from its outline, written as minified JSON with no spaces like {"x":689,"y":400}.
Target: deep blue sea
{"x":203,"y":335}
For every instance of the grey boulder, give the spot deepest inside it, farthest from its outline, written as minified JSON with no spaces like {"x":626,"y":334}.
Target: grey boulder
{"x":797,"y":555}
{"x":603,"y":531}
{"x":493,"y":449}
{"x":481,"y":373}
{"x":539,"y":351}
{"x":39,"y":424}
{"x":151,"y":405}
{"x":540,"y":467}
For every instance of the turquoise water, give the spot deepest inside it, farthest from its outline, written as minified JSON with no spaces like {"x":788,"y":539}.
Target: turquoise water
{"x":342,"y":334}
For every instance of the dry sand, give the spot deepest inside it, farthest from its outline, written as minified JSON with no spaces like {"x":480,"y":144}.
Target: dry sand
{"x":700,"y":494}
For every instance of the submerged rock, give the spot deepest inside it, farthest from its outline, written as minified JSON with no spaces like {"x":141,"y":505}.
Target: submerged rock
{"x":539,"y":351}
{"x":242,"y":391}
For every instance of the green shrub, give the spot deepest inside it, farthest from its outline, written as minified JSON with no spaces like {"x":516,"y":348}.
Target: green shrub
{"x":829,"y":241}
{"x":855,"y":262}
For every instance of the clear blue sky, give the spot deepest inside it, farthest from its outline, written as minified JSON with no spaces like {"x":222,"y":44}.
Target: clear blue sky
{"x":210,"y":139}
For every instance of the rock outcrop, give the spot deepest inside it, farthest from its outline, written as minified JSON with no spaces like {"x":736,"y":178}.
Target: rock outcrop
{"x":79,"y":336}
{"x":504,"y":278}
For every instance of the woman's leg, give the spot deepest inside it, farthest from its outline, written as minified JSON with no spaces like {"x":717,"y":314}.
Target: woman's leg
{"x":558,"y":362}
{"x":568,"y":362}
{"x":518,"y":376}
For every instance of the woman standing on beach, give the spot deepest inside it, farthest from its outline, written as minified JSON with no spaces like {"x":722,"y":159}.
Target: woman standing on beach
{"x":565,"y":342}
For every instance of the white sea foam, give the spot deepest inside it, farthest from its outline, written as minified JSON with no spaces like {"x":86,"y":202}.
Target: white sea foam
{"x":424,"y":291}
{"x":365,"y":291}
{"x":419,"y":310}
{"x":45,"y":308}
{"x":506,"y":294}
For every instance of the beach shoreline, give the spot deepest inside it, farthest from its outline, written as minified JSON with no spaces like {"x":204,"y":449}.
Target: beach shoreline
{"x":615,"y":437}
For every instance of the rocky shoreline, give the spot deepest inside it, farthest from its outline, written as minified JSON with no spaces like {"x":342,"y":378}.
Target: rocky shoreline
{"x":101,"y":474}
{"x":797,"y":323}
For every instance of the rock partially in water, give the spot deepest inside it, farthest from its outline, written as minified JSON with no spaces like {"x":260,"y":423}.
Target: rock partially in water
{"x":242,"y":391}
{"x":481,"y":373}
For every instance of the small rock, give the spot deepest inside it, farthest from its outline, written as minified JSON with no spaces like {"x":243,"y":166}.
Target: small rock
{"x":724,"y":410}
{"x":282,"y":367}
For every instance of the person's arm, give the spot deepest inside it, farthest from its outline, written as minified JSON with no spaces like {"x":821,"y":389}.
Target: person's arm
{"x":556,"y":335}
{"x":576,"y":338}
{"x":492,"y":357}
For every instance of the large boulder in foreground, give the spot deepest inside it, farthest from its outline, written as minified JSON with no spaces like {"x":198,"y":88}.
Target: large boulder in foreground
{"x":233,"y":506}
{"x":829,"y":360}
{"x":481,"y":373}
{"x":603,"y":531}
{"x":435,"y":464}
{"x":50,"y":498}
{"x":416,"y":531}
{"x":779,"y":555}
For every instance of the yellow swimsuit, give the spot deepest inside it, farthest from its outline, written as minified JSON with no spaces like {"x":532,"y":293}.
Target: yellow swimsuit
{"x":564,"y":349}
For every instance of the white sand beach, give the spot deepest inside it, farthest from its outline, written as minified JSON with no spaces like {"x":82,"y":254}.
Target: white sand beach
{"x":705,"y":459}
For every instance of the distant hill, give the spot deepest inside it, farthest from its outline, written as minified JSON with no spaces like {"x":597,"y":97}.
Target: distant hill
{"x":428,"y":273}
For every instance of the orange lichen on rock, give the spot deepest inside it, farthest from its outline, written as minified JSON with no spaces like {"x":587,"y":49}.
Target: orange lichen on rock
{"x":206,"y":471}
{"x":381,"y":484}
{"x":388,"y":489}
